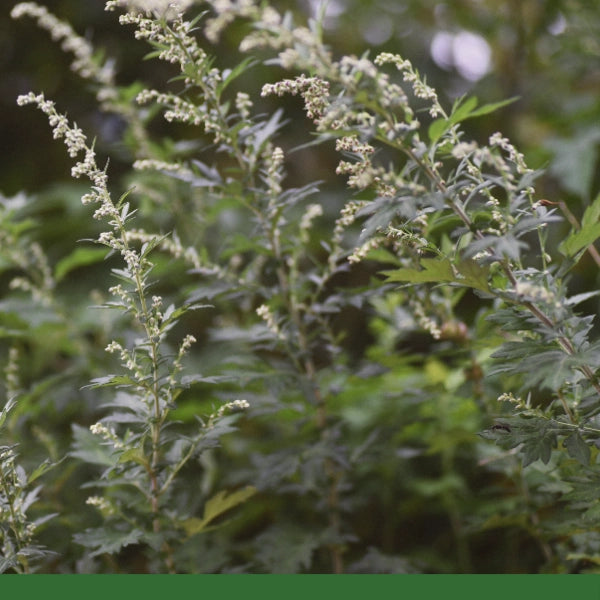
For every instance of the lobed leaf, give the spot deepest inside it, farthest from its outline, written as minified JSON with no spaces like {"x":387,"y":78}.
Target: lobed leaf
{"x":219,"y":504}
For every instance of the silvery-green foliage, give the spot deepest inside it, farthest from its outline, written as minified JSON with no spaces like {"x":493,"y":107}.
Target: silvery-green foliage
{"x":261,"y":278}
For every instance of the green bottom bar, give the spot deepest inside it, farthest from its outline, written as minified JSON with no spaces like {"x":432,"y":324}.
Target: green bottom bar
{"x":365,"y":587}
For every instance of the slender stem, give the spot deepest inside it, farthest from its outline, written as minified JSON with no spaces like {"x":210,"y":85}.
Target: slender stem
{"x":307,"y":366}
{"x":14,"y":521}
{"x":563,"y":341}
{"x":565,"y":406}
{"x":158,"y":416}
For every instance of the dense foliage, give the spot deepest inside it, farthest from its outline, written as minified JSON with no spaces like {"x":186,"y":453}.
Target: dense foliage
{"x":301,"y":308}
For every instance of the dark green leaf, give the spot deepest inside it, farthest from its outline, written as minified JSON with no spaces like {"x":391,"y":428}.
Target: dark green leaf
{"x":539,"y":447}
{"x":105,"y":540}
{"x":230,"y":75}
{"x":577,"y":448}
{"x":300,"y":544}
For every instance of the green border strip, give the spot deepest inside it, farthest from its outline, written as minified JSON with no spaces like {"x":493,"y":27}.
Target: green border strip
{"x":365,"y":587}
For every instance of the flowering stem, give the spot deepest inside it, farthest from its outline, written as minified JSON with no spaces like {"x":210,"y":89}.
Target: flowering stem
{"x":439,"y":183}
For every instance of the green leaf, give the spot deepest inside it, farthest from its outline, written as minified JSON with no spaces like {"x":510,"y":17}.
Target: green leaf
{"x":267,"y":130}
{"x":486,"y":109}
{"x":575,"y":159}
{"x":462,"y":112}
{"x":111,"y":380}
{"x":434,"y":271}
{"x":587,"y":235}
{"x":586,"y":490}
{"x":475,"y":275}
{"x":539,"y":447}
{"x":220,"y":503}
{"x":89,"y":448}
{"x":81,"y":257}
{"x":468,"y":273}
{"x":437,"y":129}
{"x":592,"y":213}
{"x":592,"y":515}
{"x":44,"y":467}
{"x":108,"y":541}
{"x":577,"y":448}
{"x":299,"y":543}
{"x":230,"y":75}
{"x":134,"y":455}
{"x":578,"y":298}
{"x":10,"y":404}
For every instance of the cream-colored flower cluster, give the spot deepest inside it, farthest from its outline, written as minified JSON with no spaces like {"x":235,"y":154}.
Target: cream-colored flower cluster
{"x":314,"y":91}
{"x":85,"y":63}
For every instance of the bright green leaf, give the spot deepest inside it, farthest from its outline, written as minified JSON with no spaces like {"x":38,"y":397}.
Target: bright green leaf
{"x":475,"y":275}
{"x":437,"y":129}
{"x":134,"y":455}
{"x":489,"y":108}
{"x":587,"y":235}
{"x":220,"y":503}
{"x":468,"y":273}
{"x":434,"y":271}
{"x":464,"y":110}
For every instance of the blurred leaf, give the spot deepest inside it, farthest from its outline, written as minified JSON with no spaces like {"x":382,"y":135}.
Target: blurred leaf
{"x":486,"y":109}
{"x":294,"y":556}
{"x":575,"y":160}
{"x":434,"y":271}
{"x":134,"y":455}
{"x":587,"y":235}
{"x":375,"y":561}
{"x":468,"y":273}
{"x":90,"y":448}
{"x":8,"y":406}
{"x":577,"y":448}
{"x":43,"y":468}
{"x":229,"y":75}
{"x":220,"y":503}
{"x":539,"y":446}
{"x":105,"y":540}
{"x":461,"y":112}
{"x":80,"y":257}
